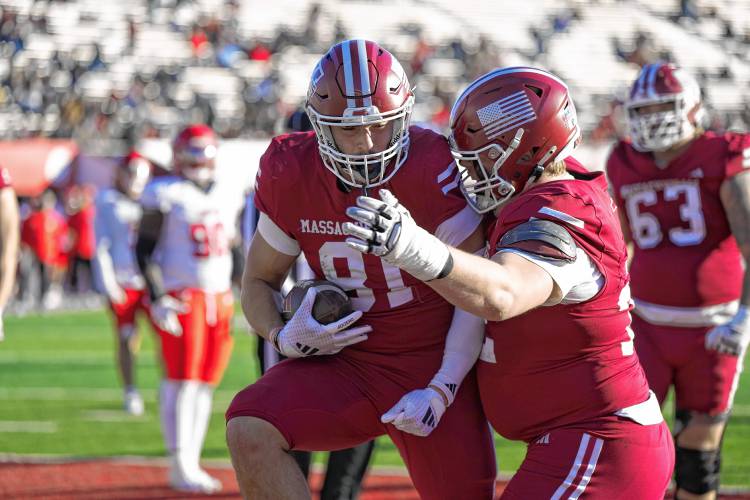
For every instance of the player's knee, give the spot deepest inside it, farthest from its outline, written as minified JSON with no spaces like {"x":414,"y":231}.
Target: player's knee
{"x":697,"y":471}
{"x":251,"y":438}
{"x":699,"y":431}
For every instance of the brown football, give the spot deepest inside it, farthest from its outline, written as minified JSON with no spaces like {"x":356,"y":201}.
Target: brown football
{"x":331,"y":303}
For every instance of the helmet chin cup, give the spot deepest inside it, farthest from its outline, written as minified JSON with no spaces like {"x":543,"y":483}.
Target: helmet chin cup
{"x":201,"y":176}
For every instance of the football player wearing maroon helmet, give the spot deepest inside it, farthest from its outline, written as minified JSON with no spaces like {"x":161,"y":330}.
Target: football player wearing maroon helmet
{"x":684,"y":198}
{"x":117,"y":213}
{"x":343,"y":377}
{"x":183,"y":249}
{"x":557,"y":368}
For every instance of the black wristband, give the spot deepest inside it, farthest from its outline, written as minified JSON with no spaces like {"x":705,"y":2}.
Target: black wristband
{"x":274,"y":338}
{"x":447,"y":268}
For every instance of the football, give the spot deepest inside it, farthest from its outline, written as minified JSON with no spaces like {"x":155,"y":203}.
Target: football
{"x":331,"y":303}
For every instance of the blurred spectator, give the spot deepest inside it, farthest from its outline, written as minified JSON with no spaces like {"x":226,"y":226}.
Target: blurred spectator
{"x":199,"y":42}
{"x":422,"y":52}
{"x":44,"y":233}
{"x":80,"y":209}
{"x":259,"y":52}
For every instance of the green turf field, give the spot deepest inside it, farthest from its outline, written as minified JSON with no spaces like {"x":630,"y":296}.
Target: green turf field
{"x":59,"y":394}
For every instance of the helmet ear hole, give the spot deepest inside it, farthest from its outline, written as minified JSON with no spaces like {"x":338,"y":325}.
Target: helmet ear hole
{"x":535,"y":90}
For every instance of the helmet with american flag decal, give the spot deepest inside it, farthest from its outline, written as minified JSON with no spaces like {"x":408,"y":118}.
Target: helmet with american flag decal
{"x":359,"y":83}
{"x":506,"y":127}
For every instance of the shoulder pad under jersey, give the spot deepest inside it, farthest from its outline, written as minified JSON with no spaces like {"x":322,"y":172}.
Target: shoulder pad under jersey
{"x":541,"y":237}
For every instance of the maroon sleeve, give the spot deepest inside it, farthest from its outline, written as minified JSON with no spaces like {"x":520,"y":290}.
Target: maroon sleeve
{"x":738,"y":154}
{"x":269,"y":185}
{"x":438,"y":196}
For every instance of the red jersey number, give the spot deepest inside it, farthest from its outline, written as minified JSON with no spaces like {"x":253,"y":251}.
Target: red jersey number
{"x":209,"y":240}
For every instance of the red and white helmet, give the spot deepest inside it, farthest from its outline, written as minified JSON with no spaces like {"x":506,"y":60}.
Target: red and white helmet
{"x":360,"y":83}
{"x":660,"y":83}
{"x":195,"y":150}
{"x":507,"y":126}
{"x":133,"y":174}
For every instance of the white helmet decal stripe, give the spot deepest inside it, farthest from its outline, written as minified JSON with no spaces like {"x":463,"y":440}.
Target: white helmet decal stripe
{"x":348,"y":73}
{"x":364,"y":73}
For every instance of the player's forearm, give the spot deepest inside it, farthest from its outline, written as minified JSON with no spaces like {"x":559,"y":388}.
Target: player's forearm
{"x":104,"y":268}
{"x":462,"y":345}
{"x":476,"y":285}
{"x":735,"y":196}
{"x":259,"y":306}
{"x":9,"y":236}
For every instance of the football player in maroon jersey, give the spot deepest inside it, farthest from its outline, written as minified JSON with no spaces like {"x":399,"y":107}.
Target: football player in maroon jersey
{"x":558,"y":368}
{"x":684,"y":202}
{"x":9,"y":241}
{"x":343,"y":377}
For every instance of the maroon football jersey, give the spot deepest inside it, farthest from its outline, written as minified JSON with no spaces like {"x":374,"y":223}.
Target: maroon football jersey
{"x":4,"y":178}
{"x":564,"y":364}
{"x":684,"y":251}
{"x":296,"y":191}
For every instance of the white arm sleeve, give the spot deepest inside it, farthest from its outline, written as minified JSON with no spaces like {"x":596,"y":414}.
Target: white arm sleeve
{"x":462,"y":345}
{"x":104,"y":269}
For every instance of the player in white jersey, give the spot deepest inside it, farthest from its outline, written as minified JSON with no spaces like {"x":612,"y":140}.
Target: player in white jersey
{"x":189,"y":222}
{"x":115,"y":266}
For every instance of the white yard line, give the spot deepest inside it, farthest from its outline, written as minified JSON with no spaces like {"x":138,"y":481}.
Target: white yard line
{"x":221,"y":398}
{"x":30,"y":426}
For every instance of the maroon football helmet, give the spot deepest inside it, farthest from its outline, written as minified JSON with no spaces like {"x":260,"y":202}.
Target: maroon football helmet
{"x":659,"y":130}
{"x":360,"y":83}
{"x":505,"y":128}
{"x":133,"y":174}
{"x":195,"y":151}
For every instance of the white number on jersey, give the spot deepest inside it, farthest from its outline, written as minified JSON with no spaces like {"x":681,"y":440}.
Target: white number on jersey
{"x":645,"y":227}
{"x":398,"y":293}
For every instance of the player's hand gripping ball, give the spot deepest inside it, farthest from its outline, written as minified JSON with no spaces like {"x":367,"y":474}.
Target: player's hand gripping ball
{"x":319,"y":318}
{"x":331,"y":302}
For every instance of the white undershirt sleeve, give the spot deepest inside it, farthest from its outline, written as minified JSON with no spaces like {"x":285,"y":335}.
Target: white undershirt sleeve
{"x":575,"y":282}
{"x":278,"y":239}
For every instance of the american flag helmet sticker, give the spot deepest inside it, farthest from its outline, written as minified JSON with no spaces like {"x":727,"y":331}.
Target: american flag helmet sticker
{"x":506,"y":114}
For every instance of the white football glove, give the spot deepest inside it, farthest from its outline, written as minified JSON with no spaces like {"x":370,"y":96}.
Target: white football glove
{"x":164,"y":313}
{"x":733,"y":337}
{"x":386,"y":229}
{"x":117,"y":295}
{"x":419,"y":412}
{"x":304,"y":336}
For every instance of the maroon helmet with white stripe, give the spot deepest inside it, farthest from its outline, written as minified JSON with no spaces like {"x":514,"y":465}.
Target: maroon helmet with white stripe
{"x":360,"y":83}
{"x":658,"y":128}
{"x":505,"y":128}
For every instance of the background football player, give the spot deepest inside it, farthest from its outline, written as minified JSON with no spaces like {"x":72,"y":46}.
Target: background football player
{"x":189,"y":221}
{"x":359,"y":102}
{"x":117,"y":213}
{"x":557,"y":369}
{"x":9,"y":241}
{"x":684,"y":198}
